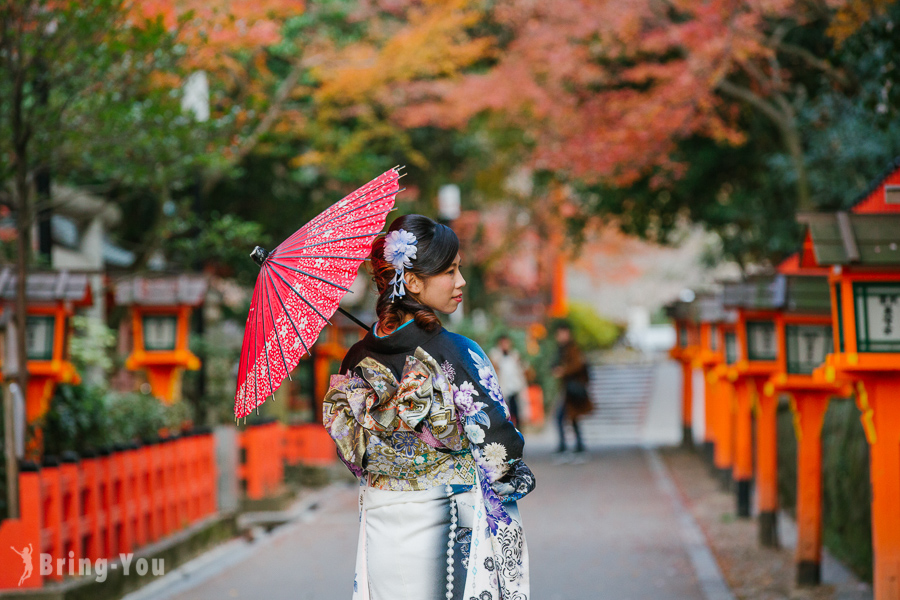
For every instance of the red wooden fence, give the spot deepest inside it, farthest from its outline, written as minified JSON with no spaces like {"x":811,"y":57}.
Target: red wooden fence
{"x":100,"y":506}
{"x":267,"y":447}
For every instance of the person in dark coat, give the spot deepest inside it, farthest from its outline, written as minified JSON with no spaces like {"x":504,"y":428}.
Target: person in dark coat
{"x":571,"y":369}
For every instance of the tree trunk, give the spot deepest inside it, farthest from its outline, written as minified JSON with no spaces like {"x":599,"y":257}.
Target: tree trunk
{"x":21,"y":136}
{"x":791,"y":137}
{"x":23,"y":251}
{"x":23,"y":243}
{"x":780,"y":112}
{"x":42,"y":183}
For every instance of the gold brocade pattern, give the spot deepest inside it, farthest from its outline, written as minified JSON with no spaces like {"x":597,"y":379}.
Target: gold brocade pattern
{"x":405,"y":434}
{"x":446,"y":469}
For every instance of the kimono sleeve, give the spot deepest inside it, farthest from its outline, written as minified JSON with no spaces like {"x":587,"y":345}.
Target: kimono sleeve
{"x":487,"y":420}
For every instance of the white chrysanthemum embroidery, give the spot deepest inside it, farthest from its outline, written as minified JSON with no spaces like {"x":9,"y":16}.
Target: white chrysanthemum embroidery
{"x":495,"y":454}
{"x":491,"y":472}
{"x":488,"y":379}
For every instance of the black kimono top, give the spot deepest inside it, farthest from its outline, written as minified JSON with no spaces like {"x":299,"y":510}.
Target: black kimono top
{"x":416,"y":409}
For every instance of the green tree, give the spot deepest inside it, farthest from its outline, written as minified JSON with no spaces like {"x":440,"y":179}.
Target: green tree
{"x":64,"y":69}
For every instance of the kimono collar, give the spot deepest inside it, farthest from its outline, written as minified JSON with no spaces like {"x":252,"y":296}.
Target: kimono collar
{"x":404,"y":339}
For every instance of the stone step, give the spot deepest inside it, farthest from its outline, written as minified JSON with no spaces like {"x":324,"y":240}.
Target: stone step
{"x":620,"y":394}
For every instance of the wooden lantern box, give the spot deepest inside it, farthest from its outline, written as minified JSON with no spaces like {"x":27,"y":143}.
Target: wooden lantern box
{"x":51,"y":299}
{"x":160,"y":320}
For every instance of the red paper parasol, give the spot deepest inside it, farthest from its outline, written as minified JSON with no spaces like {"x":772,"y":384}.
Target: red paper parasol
{"x":300,"y":285}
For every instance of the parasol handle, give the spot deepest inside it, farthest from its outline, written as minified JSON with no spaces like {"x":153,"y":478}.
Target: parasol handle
{"x":259,"y":255}
{"x":354,"y":319}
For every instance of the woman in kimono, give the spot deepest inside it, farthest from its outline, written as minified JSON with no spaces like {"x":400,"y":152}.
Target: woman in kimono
{"x":417,"y":414}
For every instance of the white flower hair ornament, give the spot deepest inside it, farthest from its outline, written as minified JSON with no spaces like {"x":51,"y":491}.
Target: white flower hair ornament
{"x":399,"y":250}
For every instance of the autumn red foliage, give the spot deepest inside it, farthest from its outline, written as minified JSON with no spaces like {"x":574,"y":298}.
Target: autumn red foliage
{"x":608,"y":88}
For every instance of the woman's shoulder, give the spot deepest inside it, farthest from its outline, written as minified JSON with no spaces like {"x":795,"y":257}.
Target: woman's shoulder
{"x":354,"y":355}
{"x":459,"y":347}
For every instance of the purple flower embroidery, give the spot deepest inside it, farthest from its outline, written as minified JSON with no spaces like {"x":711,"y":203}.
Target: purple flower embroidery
{"x":472,"y":411}
{"x":494,"y":508}
{"x":449,"y":371}
{"x":463,"y":397}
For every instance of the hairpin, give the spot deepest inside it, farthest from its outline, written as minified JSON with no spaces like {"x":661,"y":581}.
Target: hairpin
{"x":399,"y":250}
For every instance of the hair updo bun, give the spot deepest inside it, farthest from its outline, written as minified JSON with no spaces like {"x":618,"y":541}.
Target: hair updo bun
{"x":436,"y":248}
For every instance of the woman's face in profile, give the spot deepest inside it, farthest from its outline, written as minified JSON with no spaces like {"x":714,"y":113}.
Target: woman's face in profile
{"x":443,"y":292}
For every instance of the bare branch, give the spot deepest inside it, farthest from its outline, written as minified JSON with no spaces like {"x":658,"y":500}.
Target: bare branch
{"x":776,"y":38}
{"x":812,"y":60}
{"x":748,"y":96}
{"x":271,"y":116}
{"x":757,"y":74}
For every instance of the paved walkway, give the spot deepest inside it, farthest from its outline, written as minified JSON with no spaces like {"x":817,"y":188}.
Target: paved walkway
{"x":606,"y":529}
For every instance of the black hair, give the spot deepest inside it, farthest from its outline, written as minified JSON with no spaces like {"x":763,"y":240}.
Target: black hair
{"x":436,"y":248}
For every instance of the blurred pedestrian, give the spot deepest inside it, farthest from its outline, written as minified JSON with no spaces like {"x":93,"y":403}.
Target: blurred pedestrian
{"x":510,"y":372}
{"x":571,"y":370}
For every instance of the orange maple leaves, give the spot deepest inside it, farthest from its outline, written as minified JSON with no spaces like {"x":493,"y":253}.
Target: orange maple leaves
{"x":852,"y":14}
{"x":430,"y":42}
{"x":214,"y":30}
{"x":608,"y":88}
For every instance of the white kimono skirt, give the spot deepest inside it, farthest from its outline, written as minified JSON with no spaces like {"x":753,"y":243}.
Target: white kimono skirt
{"x":438,"y":543}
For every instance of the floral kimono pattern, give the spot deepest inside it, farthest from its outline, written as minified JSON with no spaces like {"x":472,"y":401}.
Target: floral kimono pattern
{"x":440,"y":425}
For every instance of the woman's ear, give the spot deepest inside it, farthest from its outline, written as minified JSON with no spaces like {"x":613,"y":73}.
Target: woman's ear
{"x":413,"y":283}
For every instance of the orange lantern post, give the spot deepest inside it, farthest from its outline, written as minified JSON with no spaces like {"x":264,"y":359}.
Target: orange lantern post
{"x":51,"y":300}
{"x":160,"y":321}
{"x":809,"y":394}
{"x":804,"y":338}
{"x":684,"y":351}
{"x":725,"y":407}
{"x":863,"y":250}
{"x":756,"y":302}
{"x":706,"y":360}
{"x":559,"y":306}
{"x":709,"y":313}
